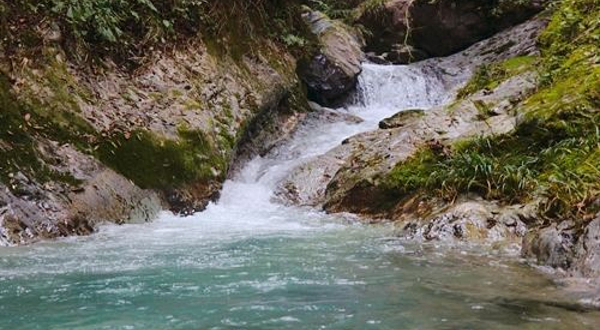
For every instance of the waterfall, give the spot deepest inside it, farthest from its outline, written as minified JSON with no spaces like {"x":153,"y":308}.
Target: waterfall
{"x":384,"y":90}
{"x":248,"y":262}
{"x":246,"y":200}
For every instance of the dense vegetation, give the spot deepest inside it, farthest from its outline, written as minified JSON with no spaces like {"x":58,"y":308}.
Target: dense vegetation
{"x":555,"y":151}
{"x":127,"y":30}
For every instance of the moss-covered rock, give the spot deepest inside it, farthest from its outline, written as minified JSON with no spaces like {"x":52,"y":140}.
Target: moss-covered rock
{"x":488,"y":77}
{"x":153,"y":162}
{"x":401,"y":118}
{"x":332,"y":72}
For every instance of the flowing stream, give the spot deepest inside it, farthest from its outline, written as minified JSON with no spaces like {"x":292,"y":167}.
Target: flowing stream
{"x":248,"y":262}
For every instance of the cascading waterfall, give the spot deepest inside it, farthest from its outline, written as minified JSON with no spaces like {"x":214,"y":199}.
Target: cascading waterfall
{"x":248,"y":262}
{"x":382,"y":92}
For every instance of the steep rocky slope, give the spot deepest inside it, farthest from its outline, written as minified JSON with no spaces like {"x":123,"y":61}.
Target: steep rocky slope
{"x":103,"y":120}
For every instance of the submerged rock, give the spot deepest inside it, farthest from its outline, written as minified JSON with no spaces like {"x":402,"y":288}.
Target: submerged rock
{"x":331,"y":73}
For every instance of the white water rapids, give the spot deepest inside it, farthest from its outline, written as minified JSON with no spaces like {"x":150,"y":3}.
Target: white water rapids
{"x":247,"y":200}
{"x":248,"y":262}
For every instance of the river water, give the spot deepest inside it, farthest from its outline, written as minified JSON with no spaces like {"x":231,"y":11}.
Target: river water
{"x":248,"y":262}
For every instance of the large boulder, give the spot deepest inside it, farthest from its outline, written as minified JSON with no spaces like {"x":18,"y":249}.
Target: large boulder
{"x":568,"y":246}
{"x":439,"y":28}
{"x":333,"y":71}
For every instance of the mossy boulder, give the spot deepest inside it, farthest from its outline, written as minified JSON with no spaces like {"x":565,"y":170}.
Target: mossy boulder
{"x":333,"y":71}
{"x":401,"y":118}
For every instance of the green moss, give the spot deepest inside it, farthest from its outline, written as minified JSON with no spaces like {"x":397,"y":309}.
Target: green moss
{"x":191,"y":105}
{"x":227,"y":140}
{"x":56,"y":115}
{"x":413,"y":174}
{"x":157,"y":163}
{"x":484,"y":110}
{"x":18,"y":145}
{"x":490,"y":76}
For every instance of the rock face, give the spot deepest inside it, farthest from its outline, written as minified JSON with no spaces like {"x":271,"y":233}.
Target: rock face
{"x":438,"y":28}
{"x":587,"y":255}
{"x":331,"y":73}
{"x":552,"y":246}
{"x":475,"y":221}
{"x":120,"y":146}
{"x":53,"y":209}
{"x":563,"y":246}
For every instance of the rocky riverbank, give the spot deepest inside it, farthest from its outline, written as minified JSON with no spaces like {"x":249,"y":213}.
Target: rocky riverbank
{"x":93,"y":130}
{"x":513,"y":160}
{"x":87,"y":143}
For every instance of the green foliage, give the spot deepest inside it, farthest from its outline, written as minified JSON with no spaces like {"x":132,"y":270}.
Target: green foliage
{"x":517,"y":167}
{"x":292,"y":40}
{"x":369,"y":7}
{"x":338,"y":9}
{"x":126,"y":30}
{"x":575,"y":27}
{"x":103,"y":20}
{"x":555,"y":151}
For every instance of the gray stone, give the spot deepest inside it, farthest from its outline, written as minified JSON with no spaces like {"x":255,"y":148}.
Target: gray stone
{"x":587,"y":252}
{"x":439,"y":28}
{"x":331,"y":73}
{"x":401,"y":119}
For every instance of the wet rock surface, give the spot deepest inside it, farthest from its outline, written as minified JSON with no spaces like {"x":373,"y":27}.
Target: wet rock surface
{"x":471,"y":220}
{"x":331,"y":73}
{"x":587,"y":251}
{"x":50,"y":210}
{"x":566,"y":246}
{"x":438,"y":28}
